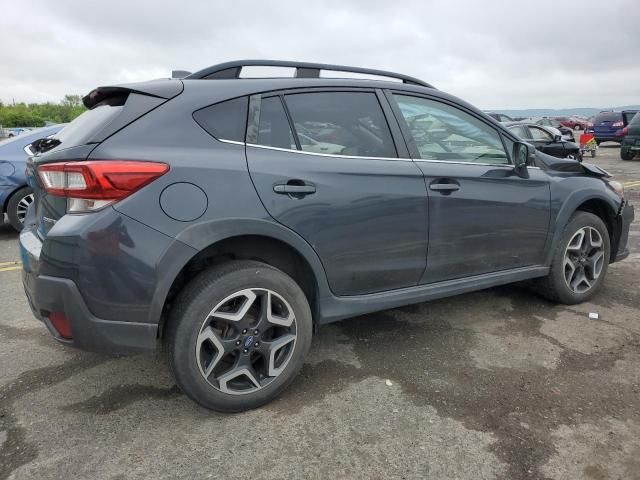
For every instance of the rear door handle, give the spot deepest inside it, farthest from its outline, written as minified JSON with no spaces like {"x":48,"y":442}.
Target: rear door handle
{"x":444,"y":187}
{"x":288,"y":189}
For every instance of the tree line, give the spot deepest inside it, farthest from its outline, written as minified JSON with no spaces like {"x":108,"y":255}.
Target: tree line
{"x":36,"y":114}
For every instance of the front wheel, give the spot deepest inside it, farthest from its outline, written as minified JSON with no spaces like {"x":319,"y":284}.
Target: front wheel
{"x":18,"y":206}
{"x":625,"y":154}
{"x":580,"y":261}
{"x":238,"y":335}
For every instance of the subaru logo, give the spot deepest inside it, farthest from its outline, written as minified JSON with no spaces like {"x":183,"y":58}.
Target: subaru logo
{"x":248,"y":341}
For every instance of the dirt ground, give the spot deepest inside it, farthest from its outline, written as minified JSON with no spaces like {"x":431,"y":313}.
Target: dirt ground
{"x":494,"y":384}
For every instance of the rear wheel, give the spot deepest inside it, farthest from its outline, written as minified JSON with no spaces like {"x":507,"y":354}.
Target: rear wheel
{"x":17,"y":207}
{"x":238,"y":335}
{"x":580,"y":262}
{"x":626,"y":154}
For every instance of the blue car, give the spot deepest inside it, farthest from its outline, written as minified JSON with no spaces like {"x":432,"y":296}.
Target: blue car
{"x":609,"y":126}
{"x":15,"y":195}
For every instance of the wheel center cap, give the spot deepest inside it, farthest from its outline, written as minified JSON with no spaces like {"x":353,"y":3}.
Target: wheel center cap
{"x":248,"y":341}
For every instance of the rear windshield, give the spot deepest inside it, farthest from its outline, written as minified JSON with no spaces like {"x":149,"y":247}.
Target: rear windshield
{"x":84,"y":128}
{"x":608,"y":117}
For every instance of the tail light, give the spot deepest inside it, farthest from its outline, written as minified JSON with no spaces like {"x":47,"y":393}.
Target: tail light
{"x":625,"y":130}
{"x":92,"y":185}
{"x":618,"y":124}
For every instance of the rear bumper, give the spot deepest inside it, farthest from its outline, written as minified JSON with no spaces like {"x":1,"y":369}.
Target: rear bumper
{"x":607,"y":138}
{"x":106,"y":273}
{"x":627,"y":214}
{"x":50,"y":294}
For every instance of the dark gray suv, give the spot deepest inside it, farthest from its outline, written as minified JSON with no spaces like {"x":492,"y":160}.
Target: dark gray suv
{"x":226,"y":217}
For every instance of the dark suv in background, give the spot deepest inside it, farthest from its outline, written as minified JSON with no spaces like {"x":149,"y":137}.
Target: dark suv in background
{"x":226,"y":218}
{"x":631,"y":141}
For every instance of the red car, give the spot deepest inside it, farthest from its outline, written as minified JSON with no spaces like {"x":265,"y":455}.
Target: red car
{"x":574,"y":123}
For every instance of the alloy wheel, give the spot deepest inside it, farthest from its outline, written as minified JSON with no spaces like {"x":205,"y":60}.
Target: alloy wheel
{"x":23,"y":205}
{"x":246,"y":341}
{"x":583,"y":259}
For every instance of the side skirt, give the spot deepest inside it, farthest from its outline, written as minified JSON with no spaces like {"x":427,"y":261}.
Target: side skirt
{"x":334,"y":308}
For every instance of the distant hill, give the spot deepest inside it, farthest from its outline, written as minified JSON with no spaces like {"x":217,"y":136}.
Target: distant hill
{"x":551,"y":112}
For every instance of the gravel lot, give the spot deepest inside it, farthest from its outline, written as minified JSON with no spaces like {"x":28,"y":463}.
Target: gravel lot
{"x":494,"y":384}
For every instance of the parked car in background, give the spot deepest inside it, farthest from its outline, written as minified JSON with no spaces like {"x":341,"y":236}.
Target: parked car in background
{"x":630,"y":146}
{"x":546,"y":139}
{"x":573,"y":123}
{"x":501,"y":117}
{"x":13,"y":132}
{"x":550,"y":122}
{"x":607,"y":127}
{"x":15,"y":195}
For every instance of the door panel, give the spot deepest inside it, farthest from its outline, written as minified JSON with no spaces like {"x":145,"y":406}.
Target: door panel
{"x":367,"y":219}
{"x":495,"y":220}
{"x":365,"y":214}
{"x":483,"y":217}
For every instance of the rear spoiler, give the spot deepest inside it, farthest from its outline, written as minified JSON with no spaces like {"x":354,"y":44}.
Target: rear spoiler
{"x":163,"y":88}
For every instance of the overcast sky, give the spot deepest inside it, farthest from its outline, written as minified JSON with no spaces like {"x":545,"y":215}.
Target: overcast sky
{"x":495,"y":54}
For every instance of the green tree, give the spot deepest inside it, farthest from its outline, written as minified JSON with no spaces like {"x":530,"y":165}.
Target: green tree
{"x":36,"y":114}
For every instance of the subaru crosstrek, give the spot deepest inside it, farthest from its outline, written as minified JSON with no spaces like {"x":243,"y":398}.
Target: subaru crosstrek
{"x":203,"y":215}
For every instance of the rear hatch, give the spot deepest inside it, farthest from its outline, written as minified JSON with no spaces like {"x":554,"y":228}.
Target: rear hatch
{"x":111,"y":109}
{"x":607,"y":124}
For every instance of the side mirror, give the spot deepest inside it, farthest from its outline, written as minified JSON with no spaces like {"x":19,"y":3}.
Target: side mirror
{"x":557,"y":138}
{"x":520,"y":155}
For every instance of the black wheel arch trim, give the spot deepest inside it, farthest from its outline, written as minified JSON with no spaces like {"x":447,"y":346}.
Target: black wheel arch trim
{"x":572,"y":203}
{"x":198,"y":237}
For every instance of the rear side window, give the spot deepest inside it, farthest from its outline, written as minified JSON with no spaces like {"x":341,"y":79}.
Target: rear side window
{"x":273,"y":128}
{"x":341,"y":123}
{"x":226,"y":120}
{"x":608,"y":117}
{"x":635,"y":120}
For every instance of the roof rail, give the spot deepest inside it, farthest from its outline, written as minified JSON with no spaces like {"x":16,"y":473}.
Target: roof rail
{"x":303,"y":70}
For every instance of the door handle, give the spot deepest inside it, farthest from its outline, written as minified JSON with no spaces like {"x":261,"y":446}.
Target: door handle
{"x":298,"y":189}
{"x":444,"y":187}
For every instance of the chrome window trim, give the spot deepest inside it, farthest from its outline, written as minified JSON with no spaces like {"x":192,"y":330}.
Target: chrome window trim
{"x":326,"y":154}
{"x":508,"y":165}
{"x":28,"y":150}
{"x":267,"y":147}
{"x":465,"y":163}
{"x":232,"y":142}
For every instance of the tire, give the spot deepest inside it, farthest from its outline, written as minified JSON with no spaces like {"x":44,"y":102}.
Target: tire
{"x":576,"y":127}
{"x":555,"y":286}
{"x":201,"y":337}
{"x":626,"y":154}
{"x":17,"y":207}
